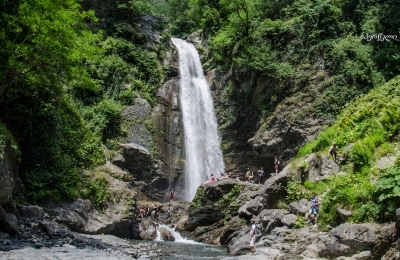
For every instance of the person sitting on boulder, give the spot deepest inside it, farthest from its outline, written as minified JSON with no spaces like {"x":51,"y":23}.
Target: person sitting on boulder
{"x":212,"y":179}
{"x":224,"y":176}
{"x":333,"y":152}
{"x":315,"y":203}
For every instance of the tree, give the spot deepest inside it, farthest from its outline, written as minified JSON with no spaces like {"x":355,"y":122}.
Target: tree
{"x":44,"y":41}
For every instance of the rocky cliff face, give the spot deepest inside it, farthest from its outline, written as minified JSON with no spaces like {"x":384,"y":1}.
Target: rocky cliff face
{"x":9,"y":180}
{"x":259,"y":119}
{"x":153,"y":148}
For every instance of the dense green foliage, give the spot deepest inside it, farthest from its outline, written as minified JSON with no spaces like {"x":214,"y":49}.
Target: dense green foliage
{"x":372,"y":125}
{"x":300,"y":45}
{"x":64,"y":79}
{"x":69,"y":68}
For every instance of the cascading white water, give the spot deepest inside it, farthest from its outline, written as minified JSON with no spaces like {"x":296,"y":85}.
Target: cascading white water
{"x":178,"y":238}
{"x":202,"y":141}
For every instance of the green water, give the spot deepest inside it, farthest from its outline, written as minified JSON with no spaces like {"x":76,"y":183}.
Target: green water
{"x":180,"y":251}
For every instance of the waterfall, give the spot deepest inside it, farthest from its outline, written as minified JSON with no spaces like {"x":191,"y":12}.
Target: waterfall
{"x":203,"y":155}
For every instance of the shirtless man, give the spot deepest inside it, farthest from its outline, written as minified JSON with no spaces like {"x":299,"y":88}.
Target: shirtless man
{"x":333,"y":151}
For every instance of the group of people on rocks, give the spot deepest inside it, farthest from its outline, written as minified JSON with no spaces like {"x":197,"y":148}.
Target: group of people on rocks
{"x":249,"y":177}
{"x":147,"y":211}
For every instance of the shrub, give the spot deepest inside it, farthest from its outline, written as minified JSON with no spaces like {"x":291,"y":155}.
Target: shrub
{"x":387,"y":191}
{"x":104,"y":118}
{"x":96,"y":189}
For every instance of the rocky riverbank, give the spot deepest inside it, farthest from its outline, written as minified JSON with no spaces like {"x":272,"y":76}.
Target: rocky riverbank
{"x":34,"y":234}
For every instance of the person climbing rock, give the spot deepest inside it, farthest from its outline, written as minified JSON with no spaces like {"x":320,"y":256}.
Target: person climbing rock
{"x":333,"y":152}
{"x":260,"y":175}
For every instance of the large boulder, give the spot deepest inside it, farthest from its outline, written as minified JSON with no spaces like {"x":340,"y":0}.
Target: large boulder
{"x":137,"y":159}
{"x":359,"y":237}
{"x":148,"y":229}
{"x":8,"y":222}
{"x":289,"y":220}
{"x":320,"y":167}
{"x":81,"y":216}
{"x":298,"y":208}
{"x":202,"y":216}
{"x":231,"y":230}
{"x":270,"y":218}
{"x":31,"y":212}
{"x":272,"y":192}
{"x":344,"y":214}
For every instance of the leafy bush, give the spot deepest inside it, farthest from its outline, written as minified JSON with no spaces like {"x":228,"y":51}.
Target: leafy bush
{"x":387,"y":191}
{"x":54,"y":152}
{"x":104,"y":118}
{"x":96,"y":189}
{"x":296,"y":192}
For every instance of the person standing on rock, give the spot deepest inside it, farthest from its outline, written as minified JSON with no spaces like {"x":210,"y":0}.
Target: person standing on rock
{"x":260,"y":175}
{"x":252,"y":236}
{"x":171,"y":195}
{"x":249,"y":175}
{"x":169,"y":212}
{"x":315,"y":203}
{"x":276,"y":164}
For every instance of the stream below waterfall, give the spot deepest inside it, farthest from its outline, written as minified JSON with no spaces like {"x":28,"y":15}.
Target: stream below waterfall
{"x":183,"y":248}
{"x":181,"y":251}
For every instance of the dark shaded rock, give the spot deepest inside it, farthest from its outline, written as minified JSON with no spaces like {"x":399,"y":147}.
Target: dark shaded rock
{"x":209,"y":234}
{"x":167,"y":118}
{"x":231,"y":230}
{"x":137,"y":159}
{"x":214,"y":191}
{"x":239,"y":244}
{"x":81,"y":216}
{"x":39,"y":245}
{"x":119,"y":160}
{"x":9,"y":181}
{"x":202,"y":216}
{"x":272,"y":192}
{"x":243,"y":211}
{"x":31,"y":212}
{"x":8,"y":222}
{"x":48,"y":227}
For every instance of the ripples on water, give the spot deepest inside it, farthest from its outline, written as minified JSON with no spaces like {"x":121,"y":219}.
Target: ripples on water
{"x":180,"y":251}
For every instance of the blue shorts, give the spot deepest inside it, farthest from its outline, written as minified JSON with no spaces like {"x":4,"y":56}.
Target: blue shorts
{"x":314,"y":211}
